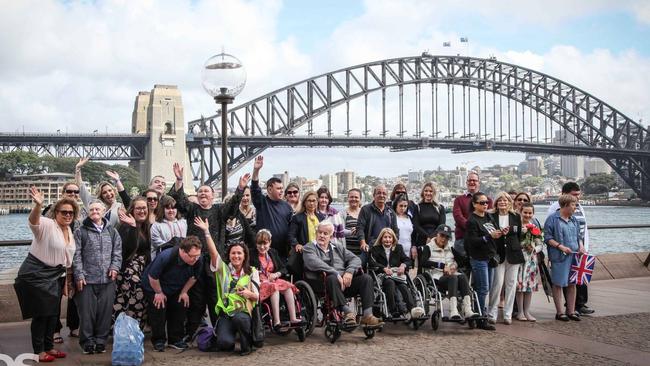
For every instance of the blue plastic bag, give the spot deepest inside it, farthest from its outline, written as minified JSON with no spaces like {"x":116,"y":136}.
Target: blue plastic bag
{"x":128,"y":342}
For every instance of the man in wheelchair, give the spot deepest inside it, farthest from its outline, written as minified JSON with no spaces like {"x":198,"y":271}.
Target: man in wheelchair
{"x":437,"y":258}
{"x":343,"y":278}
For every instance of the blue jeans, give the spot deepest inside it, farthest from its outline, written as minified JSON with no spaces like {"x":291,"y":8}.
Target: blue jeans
{"x":482,"y":276}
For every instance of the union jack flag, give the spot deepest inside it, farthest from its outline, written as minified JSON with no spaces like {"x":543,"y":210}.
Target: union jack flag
{"x":582,"y":267}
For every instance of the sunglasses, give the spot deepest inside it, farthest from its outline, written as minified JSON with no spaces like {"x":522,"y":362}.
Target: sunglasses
{"x":522,"y":200}
{"x":66,"y":213}
{"x":152,"y":199}
{"x":291,"y":193}
{"x":482,"y":203}
{"x":71,"y":191}
{"x":171,"y":207}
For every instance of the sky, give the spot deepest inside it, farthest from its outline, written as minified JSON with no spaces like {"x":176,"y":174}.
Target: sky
{"x":77,"y":66}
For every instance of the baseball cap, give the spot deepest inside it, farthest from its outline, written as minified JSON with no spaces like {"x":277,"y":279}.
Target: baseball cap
{"x":444,"y":229}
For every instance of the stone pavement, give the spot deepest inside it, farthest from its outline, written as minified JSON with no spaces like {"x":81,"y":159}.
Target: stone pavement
{"x":618,"y":335}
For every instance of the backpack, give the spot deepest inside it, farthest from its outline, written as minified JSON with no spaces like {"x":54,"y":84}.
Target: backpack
{"x":205,"y":338}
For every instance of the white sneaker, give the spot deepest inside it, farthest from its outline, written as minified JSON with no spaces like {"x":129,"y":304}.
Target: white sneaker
{"x":417,"y":312}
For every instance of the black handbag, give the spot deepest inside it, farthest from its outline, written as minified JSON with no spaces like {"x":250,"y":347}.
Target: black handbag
{"x":257,"y":331}
{"x":494,"y":261}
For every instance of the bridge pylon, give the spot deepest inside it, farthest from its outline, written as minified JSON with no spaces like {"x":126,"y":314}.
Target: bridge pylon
{"x":160,"y":115}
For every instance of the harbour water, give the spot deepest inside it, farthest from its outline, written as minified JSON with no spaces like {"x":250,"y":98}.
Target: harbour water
{"x":14,"y":227}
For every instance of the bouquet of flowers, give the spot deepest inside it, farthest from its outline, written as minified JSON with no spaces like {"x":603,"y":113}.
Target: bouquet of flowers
{"x":533,"y":237}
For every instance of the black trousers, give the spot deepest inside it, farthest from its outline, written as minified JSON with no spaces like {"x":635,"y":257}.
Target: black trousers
{"x":71,"y":316}
{"x":452,"y":284}
{"x":227,"y":329}
{"x":43,"y":332}
{"x":202,"y":294}
{"x":361,"y":285}
{"x":390,"y":286}
{"x":172,"y":315}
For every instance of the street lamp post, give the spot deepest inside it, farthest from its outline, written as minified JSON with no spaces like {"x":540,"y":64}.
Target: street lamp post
{"x":223,"y":77}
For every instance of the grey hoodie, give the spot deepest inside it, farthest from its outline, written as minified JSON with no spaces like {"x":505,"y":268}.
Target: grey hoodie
{"x":97,"y":252}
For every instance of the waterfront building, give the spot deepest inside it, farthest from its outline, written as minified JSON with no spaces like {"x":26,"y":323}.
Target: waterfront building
{"x":596,"y":166}
{"x":331,"y":182}
{"x":347,"y":181}
{"x":573,"y":166}
{"x":310,"y":185}
{"x":415,"y":176}
{"x":14,"y":193}
{"x":535,"y":166}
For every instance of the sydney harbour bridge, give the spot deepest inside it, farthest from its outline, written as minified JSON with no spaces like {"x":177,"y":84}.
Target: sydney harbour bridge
{"x":458,"y":103}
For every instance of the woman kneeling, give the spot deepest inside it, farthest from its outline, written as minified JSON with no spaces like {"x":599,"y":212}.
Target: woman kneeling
{"x":237,"y":293}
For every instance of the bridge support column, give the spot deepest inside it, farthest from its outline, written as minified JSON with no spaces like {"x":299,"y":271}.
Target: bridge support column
{"x":159,"y":114}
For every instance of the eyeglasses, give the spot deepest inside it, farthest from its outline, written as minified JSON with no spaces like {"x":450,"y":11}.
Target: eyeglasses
{"x":396,"y":193}
{"x":171,"y":207}
{"x":66,"y":213}
{"x":472,"y":180}
{"x":152,"y":199}
{"x":522,"y":200}
{"x":71,"y":191}
{"x":291,"y":193}
{"x":192,"y":256}
{"x":484,"y":203}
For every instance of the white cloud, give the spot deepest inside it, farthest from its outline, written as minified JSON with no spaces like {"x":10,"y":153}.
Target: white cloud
{"x":81,"y":64}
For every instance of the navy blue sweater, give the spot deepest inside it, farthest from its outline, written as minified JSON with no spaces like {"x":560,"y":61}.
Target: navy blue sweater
{"x":273,"y":216}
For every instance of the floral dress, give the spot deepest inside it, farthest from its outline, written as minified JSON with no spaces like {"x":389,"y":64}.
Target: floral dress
{"x":527,"y":278}
{"x":268,"y":287}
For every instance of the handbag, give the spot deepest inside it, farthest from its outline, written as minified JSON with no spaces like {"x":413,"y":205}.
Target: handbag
{"x":257,"y":331}
{"x":494,"y":261}
{"x":295,"y":263}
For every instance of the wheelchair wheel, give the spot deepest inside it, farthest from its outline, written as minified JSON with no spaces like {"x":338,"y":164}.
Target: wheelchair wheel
{"x":435,"y":320}
{"x":309,"y":306}
{"x":332,"y":332}
{"x":369,"y":332}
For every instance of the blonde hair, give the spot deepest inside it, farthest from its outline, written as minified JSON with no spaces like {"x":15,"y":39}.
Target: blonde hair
{"x":433,"y":187}
{"x":565,"y":199}
{"x":100,"y":187}
{"x":505,"y":196}
{"x":386,"y":231}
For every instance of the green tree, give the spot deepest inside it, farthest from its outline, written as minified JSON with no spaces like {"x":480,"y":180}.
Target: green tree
{"x":19,"y":163}
{"x":598,"y":183}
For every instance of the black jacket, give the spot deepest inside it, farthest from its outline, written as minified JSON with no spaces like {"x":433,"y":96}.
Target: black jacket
{"x":478,"y":242}
{"x":508,"y":246}
{"x":298,"y":228}
{"x":368,"y":217}
{"x":248,"y":234}
{"x":278,"y":264}
{"x":426,"y":219}
{"x":377,"y":261}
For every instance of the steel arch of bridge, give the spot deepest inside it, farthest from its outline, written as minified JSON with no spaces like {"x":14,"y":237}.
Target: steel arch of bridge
{"x":593,"y":127}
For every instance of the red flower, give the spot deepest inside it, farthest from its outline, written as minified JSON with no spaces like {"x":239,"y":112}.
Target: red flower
{"x":536,"y":231}
{"x":530,"y":226}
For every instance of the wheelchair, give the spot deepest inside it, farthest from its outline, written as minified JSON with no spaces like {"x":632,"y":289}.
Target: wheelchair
{"x":433,"y":297}
{"x":304,"y":299}
{"x":322,"y":313}
{"x":380,"y":307}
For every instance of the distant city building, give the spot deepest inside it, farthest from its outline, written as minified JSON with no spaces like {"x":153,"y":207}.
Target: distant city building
{"x":553,"y":165}
{"x":415,"y":176}
{"x":346,"y":180}
{"x":310,"y":185}
{"x":596,"y":166}
{"x":14,"y":193}
{"x":573,"y":166}
{"x":331,"y":182}
{"x":535,"y":166}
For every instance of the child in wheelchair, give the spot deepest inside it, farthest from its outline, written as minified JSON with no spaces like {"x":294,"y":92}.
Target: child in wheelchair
{"x":390,"y":265}
{"x":271,"y":270}
{"x":437,"y":259}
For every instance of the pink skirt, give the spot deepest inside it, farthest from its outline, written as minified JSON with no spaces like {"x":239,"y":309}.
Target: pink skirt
{"x":267,"y":288}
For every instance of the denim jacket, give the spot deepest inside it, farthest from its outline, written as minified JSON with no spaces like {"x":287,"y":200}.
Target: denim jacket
{"x":553,"y":231}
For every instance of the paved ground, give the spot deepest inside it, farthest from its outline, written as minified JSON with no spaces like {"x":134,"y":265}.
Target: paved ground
{"x":619,"y":335}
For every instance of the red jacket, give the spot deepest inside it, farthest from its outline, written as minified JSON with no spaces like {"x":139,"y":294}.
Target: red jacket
{"x":462,"y":211}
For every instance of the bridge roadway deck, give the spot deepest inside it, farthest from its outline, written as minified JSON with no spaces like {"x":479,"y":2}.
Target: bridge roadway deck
{"x":618,"y":334}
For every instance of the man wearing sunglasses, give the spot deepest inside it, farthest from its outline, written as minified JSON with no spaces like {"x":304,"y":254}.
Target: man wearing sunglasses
{"x":462,"y":210}
{"x":582,"y":291}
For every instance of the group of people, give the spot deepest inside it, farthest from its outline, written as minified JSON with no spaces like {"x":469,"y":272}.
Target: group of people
{"x":165,"y":258}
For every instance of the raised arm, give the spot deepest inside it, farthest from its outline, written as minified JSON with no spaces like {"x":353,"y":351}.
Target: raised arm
{"x":178,"y":172}
{"x":215,"y":259}
{"x":83,"y":191}
{"x":37,"y":198}
{"x":115,"y":176}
